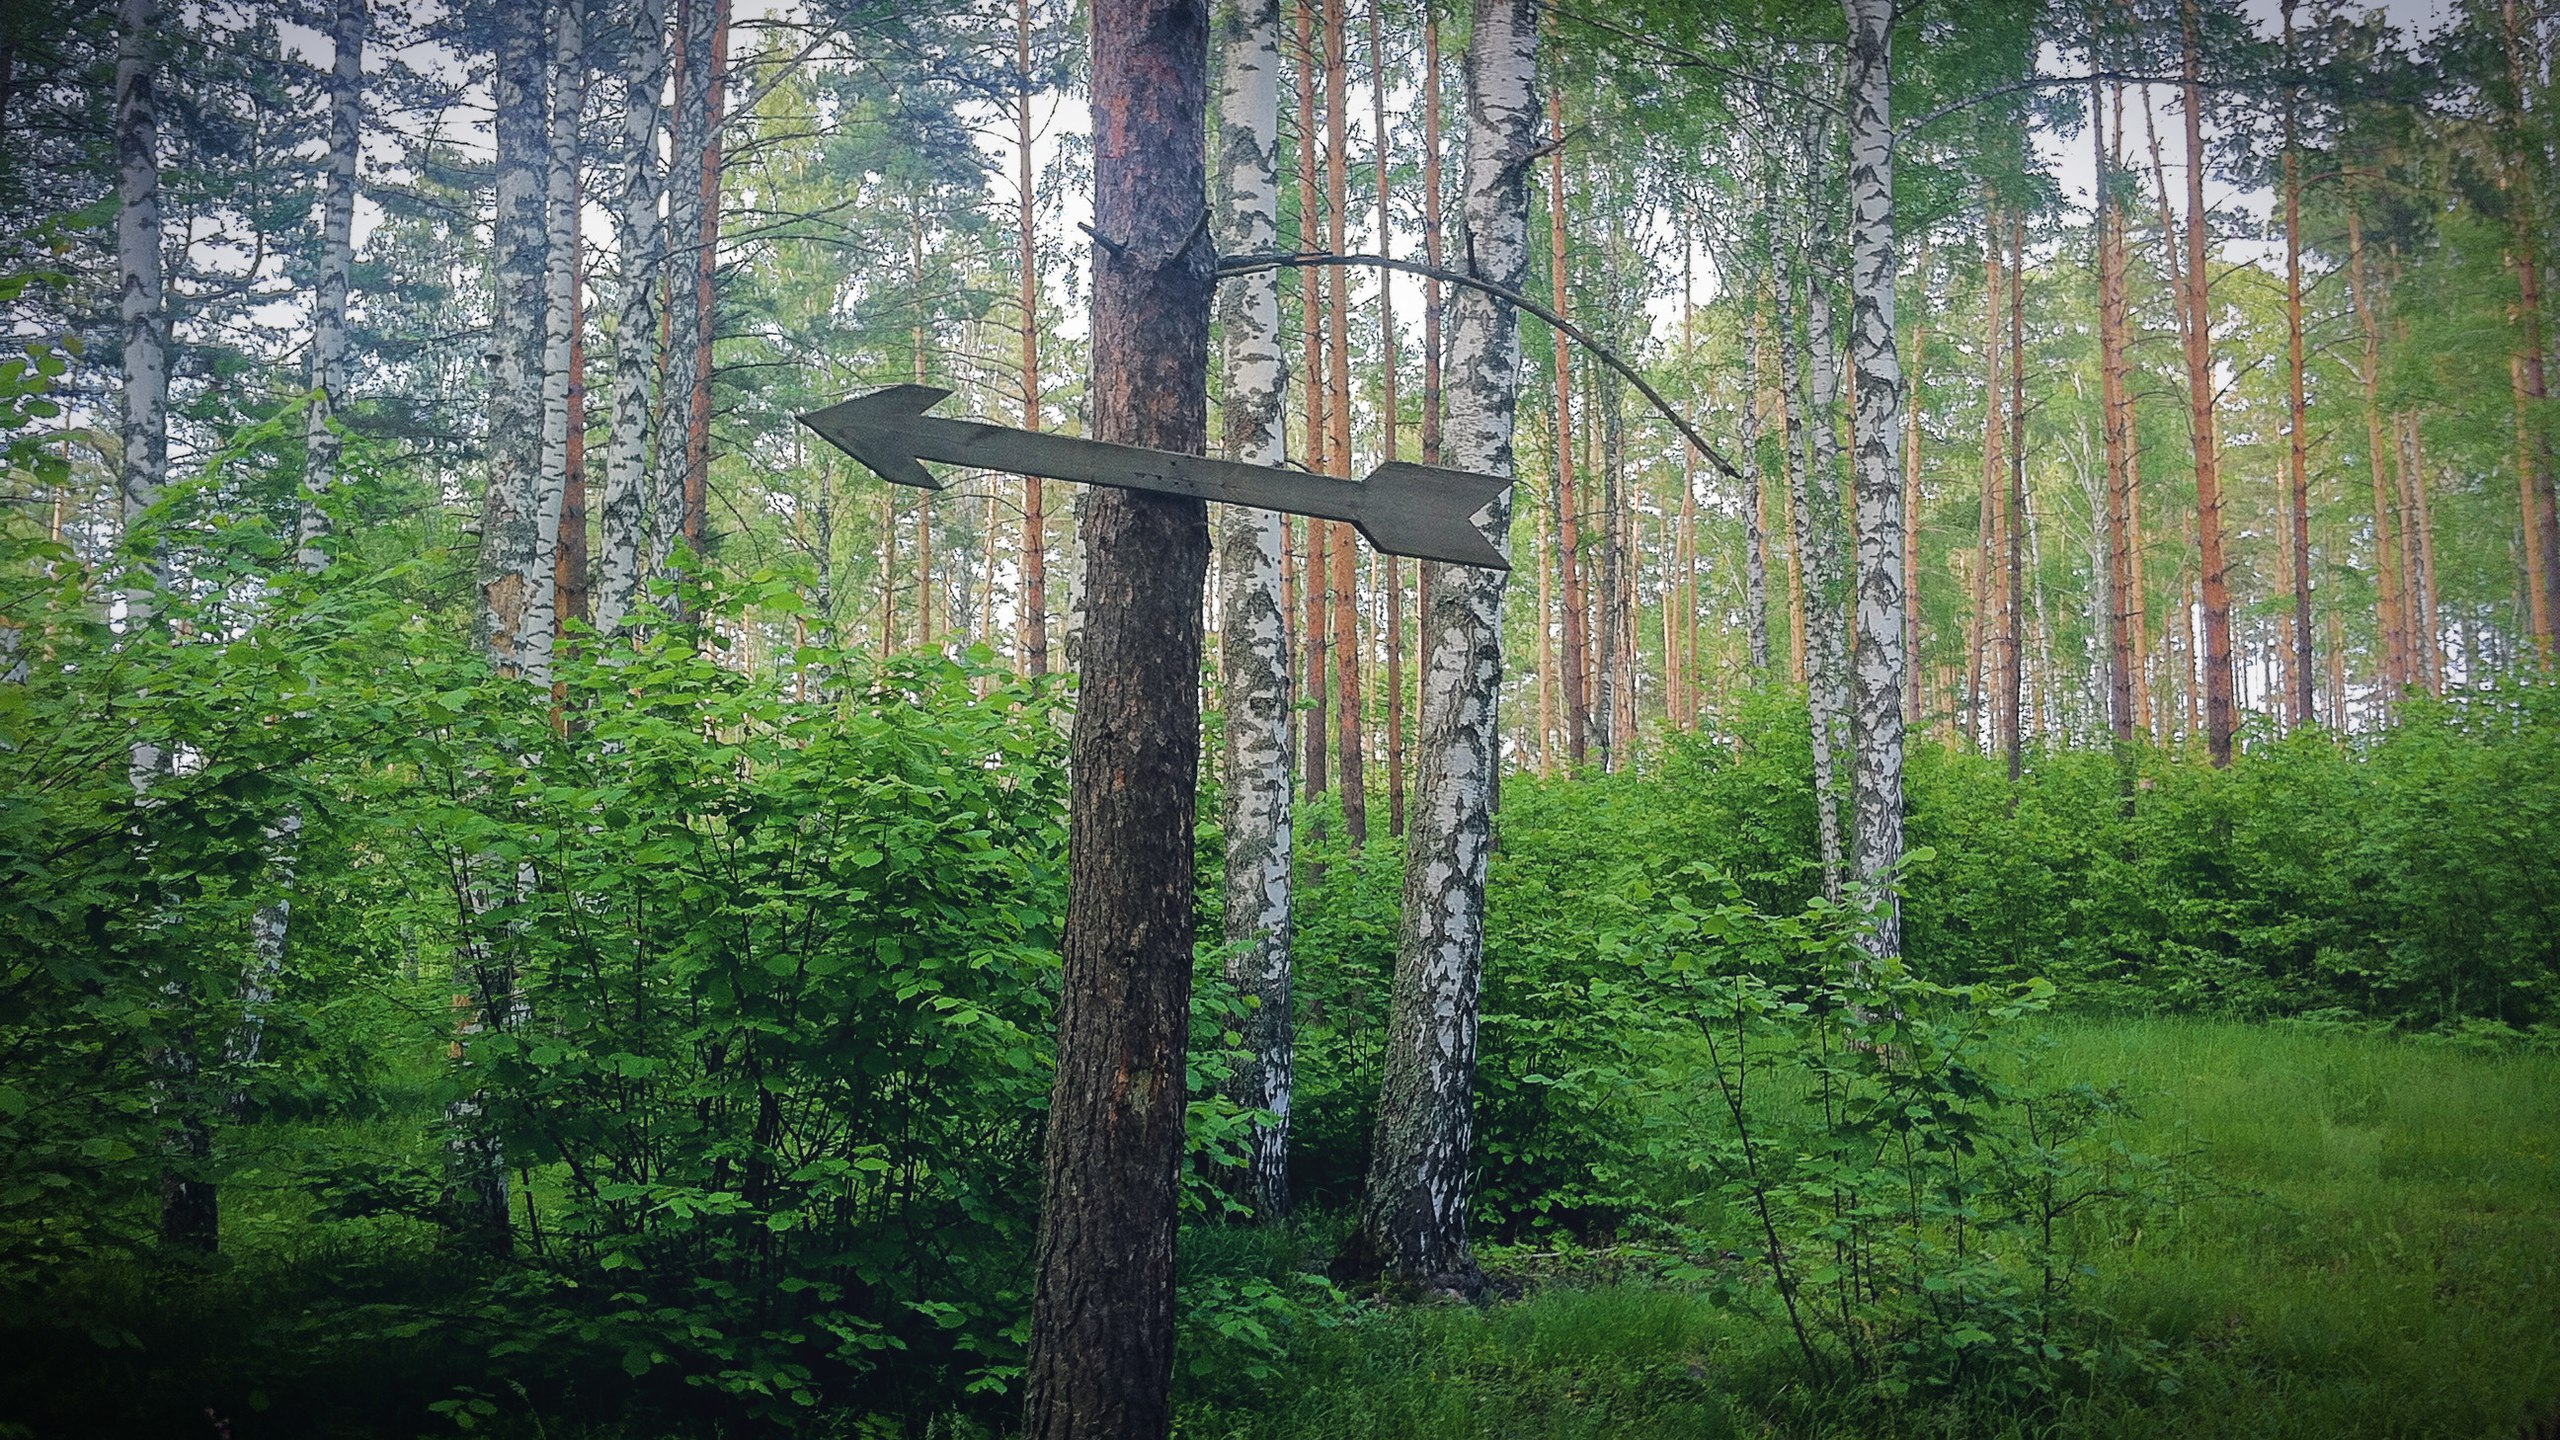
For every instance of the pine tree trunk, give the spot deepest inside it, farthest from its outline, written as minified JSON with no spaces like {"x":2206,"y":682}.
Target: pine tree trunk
{"x":1316,"y":575}
{"x":2298,"y":711}
{"x":1392,"y":592}
{"x":2220,"y":720}
{"x":1031,"y":622}
{"x":1350,"y":749}
{"x":628,"y":554}
{"x":1883,"y":597}
{"x":1102,"y":1326}
{"x":2012,"y":604}
{"x":2390,"y":666}
{"x":1576,"y":660}
{"x":1253,"y":627}
{"x":2524,"y":207}
{"x":1413,"y":1211}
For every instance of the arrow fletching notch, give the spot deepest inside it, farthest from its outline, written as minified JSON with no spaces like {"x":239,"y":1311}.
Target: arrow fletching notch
{"x":878,"y":429}
{"x":1429,"y":512}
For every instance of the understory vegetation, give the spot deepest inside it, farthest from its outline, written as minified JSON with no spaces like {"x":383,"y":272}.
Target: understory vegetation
{"x":2205,"y":1101}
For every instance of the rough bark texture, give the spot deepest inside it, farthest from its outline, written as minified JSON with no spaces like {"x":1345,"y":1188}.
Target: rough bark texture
{"x":1101,"y":1359}
{"x":1412,"y":1224}
{"x":1575,"y":679}
{"x":1876,"y":682}
{"x":1755,"y":529}
{"x":320,"y":442}
{"x":1344,"y":592}
{"x":627,"y":555}
{"x":567,"y":84}
{"x":515,"y":566}
{"x":1253,"y":627}
{"x":2391,"y":665}
{"x":1031,"y":605}
{"x":190,"y":1218}
{"x":2298,"y":448}
{"x":2219,"y":717}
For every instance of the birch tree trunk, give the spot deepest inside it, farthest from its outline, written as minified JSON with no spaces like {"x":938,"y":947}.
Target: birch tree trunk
{"x":628,"y":553}
{"x":1102,"y":1325}
{"x":1755,"y":529}
{"x":190,"y":1218}
{"x":320,"y":442}
{"x":688,"y":180}
{"x":568,"y":91}
{"x":515,"y":564}
{"x":1876,"y":718}
{"x":1412,"y":1224}
{"x":1254,"y":629}
{"x":271,"y":926}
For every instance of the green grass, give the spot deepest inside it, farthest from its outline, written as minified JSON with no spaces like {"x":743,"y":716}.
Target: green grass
{"x":2380,"y":1257}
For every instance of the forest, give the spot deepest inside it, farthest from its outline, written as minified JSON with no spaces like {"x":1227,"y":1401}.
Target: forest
{"x":1690,"y":718}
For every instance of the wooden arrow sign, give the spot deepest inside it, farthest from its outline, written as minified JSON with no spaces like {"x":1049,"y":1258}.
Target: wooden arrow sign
{"x":1422,"y":511}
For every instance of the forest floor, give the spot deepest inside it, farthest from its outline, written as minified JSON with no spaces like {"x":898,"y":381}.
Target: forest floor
{"x":2380,"y":1257}
{"x":2375,"y":1252}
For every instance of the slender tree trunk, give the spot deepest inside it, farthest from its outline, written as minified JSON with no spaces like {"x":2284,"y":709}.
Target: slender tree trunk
{"x":1755,"y":508}
{"x":1413,"y":1212}
{"x":2298,"y":449}
{"x":1985,"y":627}
{"x":1576,"y":652}
{"x":1031,"y":622}
{"x":1254,"y":628}
{"x":515,"y":560}
{"x":628,"y":553}
{"x":567,"y":84}
{"x":1316,"y":576}
{"x":714,"y":88}
{"x":1102,"y":1327}
{"x":2537,"y":593}
{"x":2390,"y":665}
{"x":270,"y":928}
{"x":320,"y":441}
{"x":2012,"y":606}
{"x":2124,"y":666}
{"x":571,"y":568}
{"x":2220,"y":720}
{"x":1350,"y":748}
{"x":2526,"y":210}
{"x":1883,"y":594}
{"x":1392,"y":591}
{"x":190,"y":1214}
{"x":1822,"y":535}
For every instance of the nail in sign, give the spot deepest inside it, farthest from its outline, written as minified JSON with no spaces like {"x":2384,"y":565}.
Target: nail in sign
{"x":1421,"y":511}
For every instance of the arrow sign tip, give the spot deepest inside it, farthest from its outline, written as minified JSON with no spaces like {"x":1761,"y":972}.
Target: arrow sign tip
{"x":1428,"y":512}
{"x":876,"y":428}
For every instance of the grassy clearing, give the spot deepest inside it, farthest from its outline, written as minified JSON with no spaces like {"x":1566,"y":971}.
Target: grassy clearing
{"x":2383,"y":1259}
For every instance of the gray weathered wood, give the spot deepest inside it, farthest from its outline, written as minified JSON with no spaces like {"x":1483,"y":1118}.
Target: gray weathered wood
{"x":1423,"y":511}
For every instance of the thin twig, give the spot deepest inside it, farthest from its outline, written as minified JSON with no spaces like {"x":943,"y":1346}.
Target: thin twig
{"x":1253,"y":262}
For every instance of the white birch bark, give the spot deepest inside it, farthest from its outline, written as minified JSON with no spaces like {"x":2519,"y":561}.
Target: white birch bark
{"x":271,"y":926}
{"x":567,"y":86}
{"x":626,"y":554}
{"x":321,"y":446}
{"x":143,"y":466}
{"x":1755,"y":538}
{"x":1825,"y":551}
{"x":513,"y":564}
{"x":1413,"y":1214}
{"x":1253,"y":632}
{"x":1877,"y":683}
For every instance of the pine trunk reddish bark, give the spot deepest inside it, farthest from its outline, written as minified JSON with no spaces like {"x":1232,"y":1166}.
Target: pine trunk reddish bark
{"x":1102,"y":1327}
